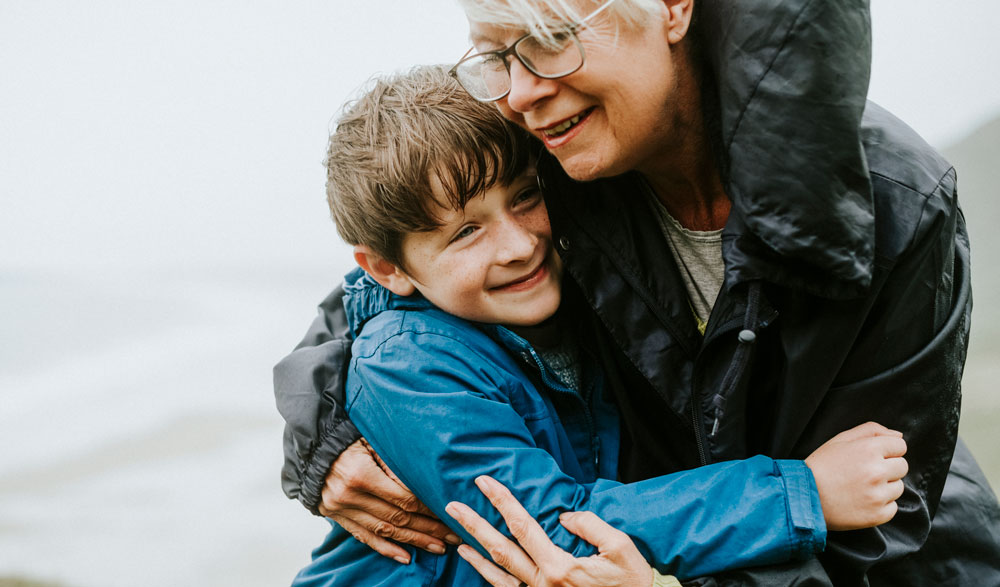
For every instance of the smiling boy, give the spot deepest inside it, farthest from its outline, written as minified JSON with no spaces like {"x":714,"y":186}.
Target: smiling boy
{"x":466,"y":362}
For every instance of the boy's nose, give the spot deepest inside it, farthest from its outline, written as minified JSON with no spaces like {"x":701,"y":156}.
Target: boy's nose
{"x":516,"y":243}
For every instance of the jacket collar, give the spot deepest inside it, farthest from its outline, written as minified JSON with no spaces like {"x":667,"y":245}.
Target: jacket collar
{"x":364,"y":299}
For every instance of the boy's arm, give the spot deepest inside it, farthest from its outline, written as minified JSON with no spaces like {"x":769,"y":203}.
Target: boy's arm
{"x":440,"y":422}
{"x":326,"y":467}
{"x":861,"y":469}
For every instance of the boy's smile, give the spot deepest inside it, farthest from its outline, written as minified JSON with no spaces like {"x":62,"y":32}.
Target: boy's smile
{"x":491,"y":262}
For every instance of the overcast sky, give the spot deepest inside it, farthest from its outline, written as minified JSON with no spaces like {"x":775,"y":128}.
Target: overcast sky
{"x":192,"y":132}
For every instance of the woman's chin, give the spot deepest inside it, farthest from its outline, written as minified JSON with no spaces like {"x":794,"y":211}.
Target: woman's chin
{"x":583,"y":166}
{"x":589,"y":162}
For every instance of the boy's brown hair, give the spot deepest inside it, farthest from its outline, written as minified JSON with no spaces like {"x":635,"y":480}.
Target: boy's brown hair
{"x":405,"y":129}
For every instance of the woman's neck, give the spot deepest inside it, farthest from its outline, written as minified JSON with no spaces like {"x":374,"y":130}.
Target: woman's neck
{"x":683,"y":172}
{"x":696,"y":200}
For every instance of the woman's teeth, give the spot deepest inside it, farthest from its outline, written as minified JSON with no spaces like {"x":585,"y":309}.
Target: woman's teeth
{"x":561,"y":128}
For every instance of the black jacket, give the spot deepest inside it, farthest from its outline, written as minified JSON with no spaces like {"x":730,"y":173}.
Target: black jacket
{"x":794,"y":354}
{"x":846,"y":261}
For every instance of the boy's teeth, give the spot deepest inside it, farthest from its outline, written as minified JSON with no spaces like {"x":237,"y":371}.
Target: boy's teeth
{"x":559,"y":129}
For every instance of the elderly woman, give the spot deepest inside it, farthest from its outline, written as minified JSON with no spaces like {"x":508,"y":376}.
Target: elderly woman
{"x":768,"y":260}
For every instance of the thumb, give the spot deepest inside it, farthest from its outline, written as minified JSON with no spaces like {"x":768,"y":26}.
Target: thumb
{"x":590,"y":527}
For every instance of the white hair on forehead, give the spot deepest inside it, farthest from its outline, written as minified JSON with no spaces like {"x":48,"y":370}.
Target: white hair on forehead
{"x":548,"y":17}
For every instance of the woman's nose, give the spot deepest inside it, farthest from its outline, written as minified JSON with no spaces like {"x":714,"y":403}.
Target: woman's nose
{"x":527,"y":89}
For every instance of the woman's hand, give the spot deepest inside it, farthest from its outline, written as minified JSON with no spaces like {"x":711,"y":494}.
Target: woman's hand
{"x":366,"y":499}
{"x":537,"y":561}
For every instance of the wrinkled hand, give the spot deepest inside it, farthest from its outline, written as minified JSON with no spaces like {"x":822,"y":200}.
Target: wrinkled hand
{"x":537,"y":561}
{"x":369,"y":501}
{"x":859,"y":476}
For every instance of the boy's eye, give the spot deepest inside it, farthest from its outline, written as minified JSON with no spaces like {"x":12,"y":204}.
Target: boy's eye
{"x":528,"y":195}
{"x":465,"y":232}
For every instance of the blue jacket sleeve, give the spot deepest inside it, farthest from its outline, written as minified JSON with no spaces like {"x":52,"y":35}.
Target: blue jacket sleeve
{"x":440,"y":415}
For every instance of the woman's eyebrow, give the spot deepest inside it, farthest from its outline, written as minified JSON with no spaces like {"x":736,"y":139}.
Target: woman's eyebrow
{"x":481,"y":41}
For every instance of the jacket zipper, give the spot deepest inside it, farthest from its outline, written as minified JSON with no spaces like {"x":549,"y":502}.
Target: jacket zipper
{"x":699,"y":431}
{"x":595,"y":442}
{"x":737,"y":367}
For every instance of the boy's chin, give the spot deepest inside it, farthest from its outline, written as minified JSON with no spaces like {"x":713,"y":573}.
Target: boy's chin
{"x":543,"y":332}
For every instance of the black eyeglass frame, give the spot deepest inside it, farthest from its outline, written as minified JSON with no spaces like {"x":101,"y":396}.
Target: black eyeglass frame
{"x":503,"y":54}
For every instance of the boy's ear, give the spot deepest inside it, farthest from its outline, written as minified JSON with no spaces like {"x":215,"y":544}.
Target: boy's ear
{"x":388,"y":275}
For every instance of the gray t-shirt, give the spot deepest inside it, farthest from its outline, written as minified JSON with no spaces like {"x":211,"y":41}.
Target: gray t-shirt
{"x":698,"y":255}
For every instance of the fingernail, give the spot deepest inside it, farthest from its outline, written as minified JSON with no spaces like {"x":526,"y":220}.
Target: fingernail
{"x":481,"y":483}
{"x":403,"y":560}
{"x":436,"y":548}
{"x":452,"y":539}
{"x":452,"y":509}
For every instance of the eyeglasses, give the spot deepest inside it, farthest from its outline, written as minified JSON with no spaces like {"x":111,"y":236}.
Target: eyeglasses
{"x":486,"y":76}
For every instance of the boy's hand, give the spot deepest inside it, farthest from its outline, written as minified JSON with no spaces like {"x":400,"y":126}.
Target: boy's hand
{"x":375,"y":507}
{"x":859,"y":476}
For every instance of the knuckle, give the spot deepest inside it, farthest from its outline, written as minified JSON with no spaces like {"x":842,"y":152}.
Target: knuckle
{"x":559,"y":575}
{"x":400,"y":518}
{"x":408,"y":503}
{"x":500,"y":556}
{"x":353,"y":477}
{"x":617,"y":541}
{"x":518,"y":527}
{"x":887,"y":513}
{"x":383,"y":529}
{"x":334,"y":496}
{"x":364,"y":538}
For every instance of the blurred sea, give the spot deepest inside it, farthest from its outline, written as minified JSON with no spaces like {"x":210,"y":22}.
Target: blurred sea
{"x":140,"y":441}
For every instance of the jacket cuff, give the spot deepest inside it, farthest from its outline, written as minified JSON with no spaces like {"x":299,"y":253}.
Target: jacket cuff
{"x":335,"y":439}
{"x":806,"y":524}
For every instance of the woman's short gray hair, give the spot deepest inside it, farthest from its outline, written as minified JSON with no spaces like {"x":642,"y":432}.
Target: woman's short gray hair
{"x":546,"y":17}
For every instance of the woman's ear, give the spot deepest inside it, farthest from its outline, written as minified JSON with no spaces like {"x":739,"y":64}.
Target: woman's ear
{"x":678,"y":19}
{"x":387,"y":274}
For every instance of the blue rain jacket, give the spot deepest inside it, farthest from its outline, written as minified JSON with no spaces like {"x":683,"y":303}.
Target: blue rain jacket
{"x":443,"y":400}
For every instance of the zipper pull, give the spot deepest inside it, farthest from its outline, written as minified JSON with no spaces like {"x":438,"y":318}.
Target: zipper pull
{"x":719,"y":405}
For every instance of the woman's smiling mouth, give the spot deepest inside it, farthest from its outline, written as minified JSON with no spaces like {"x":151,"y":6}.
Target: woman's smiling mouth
{"x":564,"y":126}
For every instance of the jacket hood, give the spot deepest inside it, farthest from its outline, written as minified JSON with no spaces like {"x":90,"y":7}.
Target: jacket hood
{"x":364,"y":299}
{"x":792,"y":80}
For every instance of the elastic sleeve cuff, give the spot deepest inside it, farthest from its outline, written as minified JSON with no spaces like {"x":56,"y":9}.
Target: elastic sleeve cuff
{"x":342,"y":433}
{"x":805,"y":514}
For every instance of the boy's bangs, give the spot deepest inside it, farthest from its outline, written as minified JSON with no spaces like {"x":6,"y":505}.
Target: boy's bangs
{"x":481,"y":160}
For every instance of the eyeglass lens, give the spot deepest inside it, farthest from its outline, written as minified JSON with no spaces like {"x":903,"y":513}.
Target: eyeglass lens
{"x":487,"y":76}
